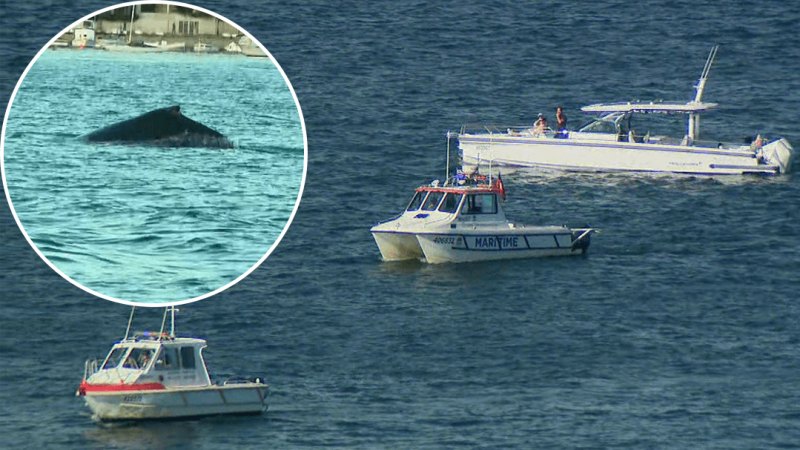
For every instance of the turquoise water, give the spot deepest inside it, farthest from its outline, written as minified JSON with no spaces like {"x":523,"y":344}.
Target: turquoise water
{"x":151,"y":224}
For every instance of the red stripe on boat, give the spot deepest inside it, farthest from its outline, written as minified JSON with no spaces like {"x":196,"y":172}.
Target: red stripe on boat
{"x":471,"y":189}
{"x":86,"y":387}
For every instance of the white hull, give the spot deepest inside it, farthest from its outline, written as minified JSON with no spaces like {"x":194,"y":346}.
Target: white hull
{"x":144,"y":49}
{"x":609,"y":156}
{"x":488,"y":246}
{"x":397,"y":246}
{"x":465,"y":222}
{"x":174,"y":47}
{"x":253,"y":51}
{"x":177,"y":403}
{"x":83,"y":43}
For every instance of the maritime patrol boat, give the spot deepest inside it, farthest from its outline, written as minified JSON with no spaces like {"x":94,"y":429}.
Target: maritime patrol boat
{"x":157,"y":375}
{"x":609,"y":143}
{"x":463,"y":220}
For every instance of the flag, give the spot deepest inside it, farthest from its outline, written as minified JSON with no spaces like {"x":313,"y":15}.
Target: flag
{"x":498,"y":184}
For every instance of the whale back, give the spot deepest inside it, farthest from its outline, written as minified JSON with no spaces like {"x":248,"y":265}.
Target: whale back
{"x":163,"y":127}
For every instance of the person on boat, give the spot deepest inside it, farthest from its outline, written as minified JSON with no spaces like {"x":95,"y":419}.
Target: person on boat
{"x":461,"y":177}
{"x":130,"y":363}
{"x":476,"y":177}
{"x":540,"y":125}
{"x":561,"y":119}
{"x":144,"y":358}
{"x":561,"y":123}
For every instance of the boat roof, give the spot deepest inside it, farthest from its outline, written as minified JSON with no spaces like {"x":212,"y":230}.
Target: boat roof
{"x":494,"y":187}
{"x":650,"y":107}
{"x":152,"y":337}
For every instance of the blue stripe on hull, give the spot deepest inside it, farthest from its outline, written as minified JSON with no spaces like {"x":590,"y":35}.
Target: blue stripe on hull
{"x":494,"y":242}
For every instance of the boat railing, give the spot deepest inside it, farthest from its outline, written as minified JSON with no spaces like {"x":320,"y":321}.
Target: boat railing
{"x":242,"y":380}
{"x":715,"y":144}
{"x":701,"y":143}
{"x":226,"y":379}
{"x":90,"y":367}
{"x":493,"y":128}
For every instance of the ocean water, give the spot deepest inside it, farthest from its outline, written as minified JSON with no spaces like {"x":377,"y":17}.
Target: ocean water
{"x":678,"y":329}
{"x":145,"y":224}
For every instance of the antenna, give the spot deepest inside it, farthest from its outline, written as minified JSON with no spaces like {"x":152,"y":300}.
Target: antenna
{"x":701,"y":83}
{"x":163,"y":323}
{"x":447,"y":163}
{"x":172,"y":326}
{"x":693,"y":130}
{"x":130,"y":321}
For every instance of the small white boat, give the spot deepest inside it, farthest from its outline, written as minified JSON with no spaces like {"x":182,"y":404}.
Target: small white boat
{"x":203,"y":47}
{"x":611,"y":144}
{"x":233,"y":47}
{"x":156,"y":375}
{"x":463,"y":221}
{"x":115,"y":45}
{"x":250,"y":48}
{"x":84,"y":35}
{"x":164,"y":46}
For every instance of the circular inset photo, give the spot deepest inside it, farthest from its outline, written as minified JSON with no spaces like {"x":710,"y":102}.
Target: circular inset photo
{"x":153,"y":153}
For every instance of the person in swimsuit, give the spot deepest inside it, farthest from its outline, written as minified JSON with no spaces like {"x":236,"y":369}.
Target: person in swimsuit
{"x":540,"y":125}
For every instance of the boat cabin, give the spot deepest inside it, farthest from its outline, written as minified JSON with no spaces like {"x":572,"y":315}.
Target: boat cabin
{"x":614,"y":120}
{"x":472,"y":203}
{"x":154,"y":358}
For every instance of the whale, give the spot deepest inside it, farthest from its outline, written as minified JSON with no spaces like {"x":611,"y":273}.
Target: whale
{"x":164,"y":127}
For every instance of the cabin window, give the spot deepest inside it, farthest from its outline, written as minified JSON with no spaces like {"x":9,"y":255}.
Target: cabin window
{"x":480,"y":204}
{"x":138,"y":358}
{"x":432,"y":201}
{"x":450,"y":203}
{"x":114,"y":358}
{"x":168,"y":359}
{"x":187,"y":357}
{"x":416,"y":202}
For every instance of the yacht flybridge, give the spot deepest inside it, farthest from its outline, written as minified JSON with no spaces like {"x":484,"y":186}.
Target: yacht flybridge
{"x":609,"y":143}
{"x":157,"y":375}
{"x":463,"y":220}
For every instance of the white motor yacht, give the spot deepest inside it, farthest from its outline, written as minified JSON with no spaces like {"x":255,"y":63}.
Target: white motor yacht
{"x":463,"y":220}
{"x":156,"y":375}
{"x":610,"y":143}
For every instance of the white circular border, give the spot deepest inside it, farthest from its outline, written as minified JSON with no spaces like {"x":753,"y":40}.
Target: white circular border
{"x":193,"y":299}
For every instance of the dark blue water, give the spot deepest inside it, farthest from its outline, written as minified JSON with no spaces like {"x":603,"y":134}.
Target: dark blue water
{"x":678,"y":330}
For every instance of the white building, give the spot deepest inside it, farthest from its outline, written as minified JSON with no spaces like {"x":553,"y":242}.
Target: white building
{"x":162,"y":20}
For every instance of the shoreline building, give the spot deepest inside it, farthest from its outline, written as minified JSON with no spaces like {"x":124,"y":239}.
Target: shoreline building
{"x":162,"y":20}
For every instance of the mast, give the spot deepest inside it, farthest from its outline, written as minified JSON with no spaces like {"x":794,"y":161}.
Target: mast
{"x":130,"y":29}
{"x":694,"y":118}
